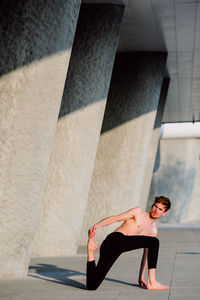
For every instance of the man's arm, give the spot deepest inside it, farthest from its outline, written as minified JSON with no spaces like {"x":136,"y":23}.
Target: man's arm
{"x":143,"y":267}
{"x":118,"y":218}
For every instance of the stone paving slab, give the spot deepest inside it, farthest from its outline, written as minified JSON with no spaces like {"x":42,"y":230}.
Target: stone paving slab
{"x":63,"y":278}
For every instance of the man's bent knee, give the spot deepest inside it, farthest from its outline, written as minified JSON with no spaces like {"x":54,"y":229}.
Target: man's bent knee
{"x":156,"y":241}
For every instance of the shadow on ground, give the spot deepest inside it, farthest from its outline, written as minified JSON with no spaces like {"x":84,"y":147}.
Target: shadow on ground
{"x":59,"y":275}
{"x":192,"y":253}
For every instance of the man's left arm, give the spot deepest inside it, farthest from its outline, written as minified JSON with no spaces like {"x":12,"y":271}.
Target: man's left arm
{"x":143,"y":266}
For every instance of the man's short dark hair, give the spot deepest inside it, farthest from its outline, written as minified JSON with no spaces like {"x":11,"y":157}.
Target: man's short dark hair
{"x":164,"y":200}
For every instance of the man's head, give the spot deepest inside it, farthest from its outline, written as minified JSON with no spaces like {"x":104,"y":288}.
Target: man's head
{"x":160,"y":207}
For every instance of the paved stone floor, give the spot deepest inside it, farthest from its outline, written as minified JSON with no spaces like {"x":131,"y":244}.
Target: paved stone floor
{"x":63,"y":278}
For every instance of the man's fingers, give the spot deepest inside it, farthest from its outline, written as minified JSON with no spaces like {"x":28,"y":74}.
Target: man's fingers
{"x":91,"y":236}
{"x":91,"y":232}
{"x":142,"y":283}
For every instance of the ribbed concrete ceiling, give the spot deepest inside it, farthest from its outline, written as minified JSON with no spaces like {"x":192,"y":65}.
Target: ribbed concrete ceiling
{"x":172,"y":26}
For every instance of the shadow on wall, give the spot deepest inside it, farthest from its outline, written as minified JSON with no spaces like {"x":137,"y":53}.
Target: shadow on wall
{"x":29,"y":31}
{"x":175,"y":182}
{"x":159,"y":116}
{"x":162,"y":102}
{"x":135,"y":87}
{"x":92,"y":57}
{"x":157,"y":160}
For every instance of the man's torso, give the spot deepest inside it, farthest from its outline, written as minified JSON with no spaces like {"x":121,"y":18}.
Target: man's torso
{"x":138,"y":225}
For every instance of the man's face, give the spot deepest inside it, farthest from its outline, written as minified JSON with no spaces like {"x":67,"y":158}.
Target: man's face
{"x":157,"y":211}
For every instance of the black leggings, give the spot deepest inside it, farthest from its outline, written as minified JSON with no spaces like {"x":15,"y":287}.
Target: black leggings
{"x":115,"y":244}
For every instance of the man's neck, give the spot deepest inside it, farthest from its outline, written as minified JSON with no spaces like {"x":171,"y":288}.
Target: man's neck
{"x":152,"y":220}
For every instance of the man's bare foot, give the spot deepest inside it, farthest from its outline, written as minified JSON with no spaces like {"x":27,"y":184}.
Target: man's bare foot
{"x":157,"y":286}
{"x":92,"y":246}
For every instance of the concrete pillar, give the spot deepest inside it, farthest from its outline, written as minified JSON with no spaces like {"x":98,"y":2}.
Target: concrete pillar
{"x":194,"y":206}
{"x":78,"y":130}
{"x":154,"y":145}
{"x":125,"y":137}
{"x":36,"y":40}
{"x":174,"y":176}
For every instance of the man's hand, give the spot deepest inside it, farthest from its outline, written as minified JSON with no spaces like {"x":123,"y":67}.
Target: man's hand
{"x":91,"y":232}
{"x":142,"y":282}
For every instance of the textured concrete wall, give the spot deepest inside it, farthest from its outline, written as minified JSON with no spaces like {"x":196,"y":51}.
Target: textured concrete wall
{"x":154,"y":145}
{"x":125,"y":139}
{"x":174,"y":175}
{"x":78,"y":130}
{"x":36,"y":39}
{"x":194,"y":206}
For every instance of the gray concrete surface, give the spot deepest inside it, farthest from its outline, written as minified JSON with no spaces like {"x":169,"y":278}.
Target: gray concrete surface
{"x":194,"y":208}
{"x":64,"y":277}
{"x":152,"y":151}
{"x":78,"y":130}
{"x":176,"y":166}
{"x":36,"y":41}
{"x":120,"y":164}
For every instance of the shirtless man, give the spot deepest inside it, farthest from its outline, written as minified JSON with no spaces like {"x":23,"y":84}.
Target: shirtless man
{"x":137,"y":231}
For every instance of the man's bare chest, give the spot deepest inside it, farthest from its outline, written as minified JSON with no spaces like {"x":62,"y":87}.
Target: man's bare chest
{"x":143,"y":227}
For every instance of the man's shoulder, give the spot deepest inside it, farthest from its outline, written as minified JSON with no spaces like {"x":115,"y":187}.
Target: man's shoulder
{"x":137,"y":210}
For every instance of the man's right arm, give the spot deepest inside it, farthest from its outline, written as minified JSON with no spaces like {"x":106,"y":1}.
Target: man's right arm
{"x":117,"y":218}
